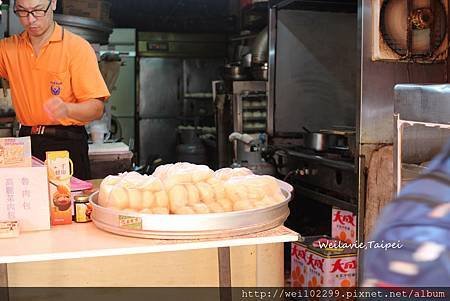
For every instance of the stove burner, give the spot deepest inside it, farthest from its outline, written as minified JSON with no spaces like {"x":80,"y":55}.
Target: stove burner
{"x":337,"y":153}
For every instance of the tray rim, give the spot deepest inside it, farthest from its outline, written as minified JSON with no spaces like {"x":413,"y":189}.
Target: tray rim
{"x":201,"y":234}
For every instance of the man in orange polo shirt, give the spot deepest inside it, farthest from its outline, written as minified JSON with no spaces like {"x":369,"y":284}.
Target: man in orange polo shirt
{"x":55,"y":81}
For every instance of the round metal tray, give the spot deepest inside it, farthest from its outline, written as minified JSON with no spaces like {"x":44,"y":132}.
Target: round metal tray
{"x":188,"y":226}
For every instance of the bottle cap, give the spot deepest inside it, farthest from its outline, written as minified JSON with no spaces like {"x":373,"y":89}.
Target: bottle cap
{"x":81,"y":198}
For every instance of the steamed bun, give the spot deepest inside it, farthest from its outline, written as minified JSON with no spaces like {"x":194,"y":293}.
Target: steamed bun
{"x":186,"y":188}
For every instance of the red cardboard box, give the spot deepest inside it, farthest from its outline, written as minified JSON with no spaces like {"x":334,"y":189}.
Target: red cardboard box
{"x":299,"y":254}
{"x":322,"y":266}
{"x":343,"y":225}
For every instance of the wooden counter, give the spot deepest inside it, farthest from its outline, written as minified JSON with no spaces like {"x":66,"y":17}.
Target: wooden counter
{"x":82,"y":255}
{"x":85,"y":240}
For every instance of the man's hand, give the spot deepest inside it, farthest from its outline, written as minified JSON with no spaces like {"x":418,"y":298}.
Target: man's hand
{"x":64,"y":113}
{"x":56,"y":109}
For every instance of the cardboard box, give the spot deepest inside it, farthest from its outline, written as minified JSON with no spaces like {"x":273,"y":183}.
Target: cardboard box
{"x":24,"y":197}
{"x":77,"y":186}
{"x":60,"y":170}
{"x":299,"y":255}
{"x":95,"y":9}
{"x":322,"y":267}
{"x":343,"y":225}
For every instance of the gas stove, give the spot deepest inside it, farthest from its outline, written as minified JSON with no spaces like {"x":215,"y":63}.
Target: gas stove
{"x":337,"y":153}
{"x":328,"y":177}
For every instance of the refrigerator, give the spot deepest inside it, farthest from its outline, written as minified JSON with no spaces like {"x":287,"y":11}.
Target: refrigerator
{"x":172,"y":68}
{"x":122,"y":104}
{"x":159,"y":107}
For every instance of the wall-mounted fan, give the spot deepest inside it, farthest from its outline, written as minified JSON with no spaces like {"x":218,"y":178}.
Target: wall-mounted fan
{"x":410,"y":30}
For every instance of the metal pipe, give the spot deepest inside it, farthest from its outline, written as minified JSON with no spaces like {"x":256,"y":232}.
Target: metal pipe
{"x":272,"y":67}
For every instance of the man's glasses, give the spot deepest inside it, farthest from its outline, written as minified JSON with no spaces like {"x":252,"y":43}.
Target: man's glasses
{"x":37,"y":13}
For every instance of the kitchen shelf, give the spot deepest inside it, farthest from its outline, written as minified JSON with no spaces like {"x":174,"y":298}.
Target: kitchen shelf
{"x":255,"y":118}
{"x":261,"y":129}
{"x":244,"y":96}
{"x":255,"y":108}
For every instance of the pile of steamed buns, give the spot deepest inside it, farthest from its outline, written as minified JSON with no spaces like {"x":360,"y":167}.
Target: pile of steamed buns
{"x":185,"y":188}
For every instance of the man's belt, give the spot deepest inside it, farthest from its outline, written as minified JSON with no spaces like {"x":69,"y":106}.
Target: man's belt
{"x":72,"y":132}
{"x":37,"y":130}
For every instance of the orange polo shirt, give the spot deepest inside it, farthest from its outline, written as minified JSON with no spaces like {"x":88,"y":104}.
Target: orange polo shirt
{"x":66,"y":67}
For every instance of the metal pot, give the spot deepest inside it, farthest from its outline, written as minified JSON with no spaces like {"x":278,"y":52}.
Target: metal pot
{"x":247,"y":60}
{"x":341,"y":140}
{"x":330,"y":140}
{"x":234,"y":72}
{"x":316,"y":141}
{"x":260,"y":72}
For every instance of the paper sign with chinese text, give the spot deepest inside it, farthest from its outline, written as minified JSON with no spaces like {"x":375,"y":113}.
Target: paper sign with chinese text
{"x":24,"y":197}
{"x":15,"y":152}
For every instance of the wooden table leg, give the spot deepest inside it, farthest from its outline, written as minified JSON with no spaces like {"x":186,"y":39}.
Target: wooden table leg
{"x":225,"y":274}
{"x":4,"y":292}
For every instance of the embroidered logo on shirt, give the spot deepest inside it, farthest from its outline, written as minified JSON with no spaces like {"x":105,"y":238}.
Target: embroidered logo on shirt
{"x":55,"y":87}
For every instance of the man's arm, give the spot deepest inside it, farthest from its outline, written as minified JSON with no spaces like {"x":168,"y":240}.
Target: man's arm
{"x":86,"y":111}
